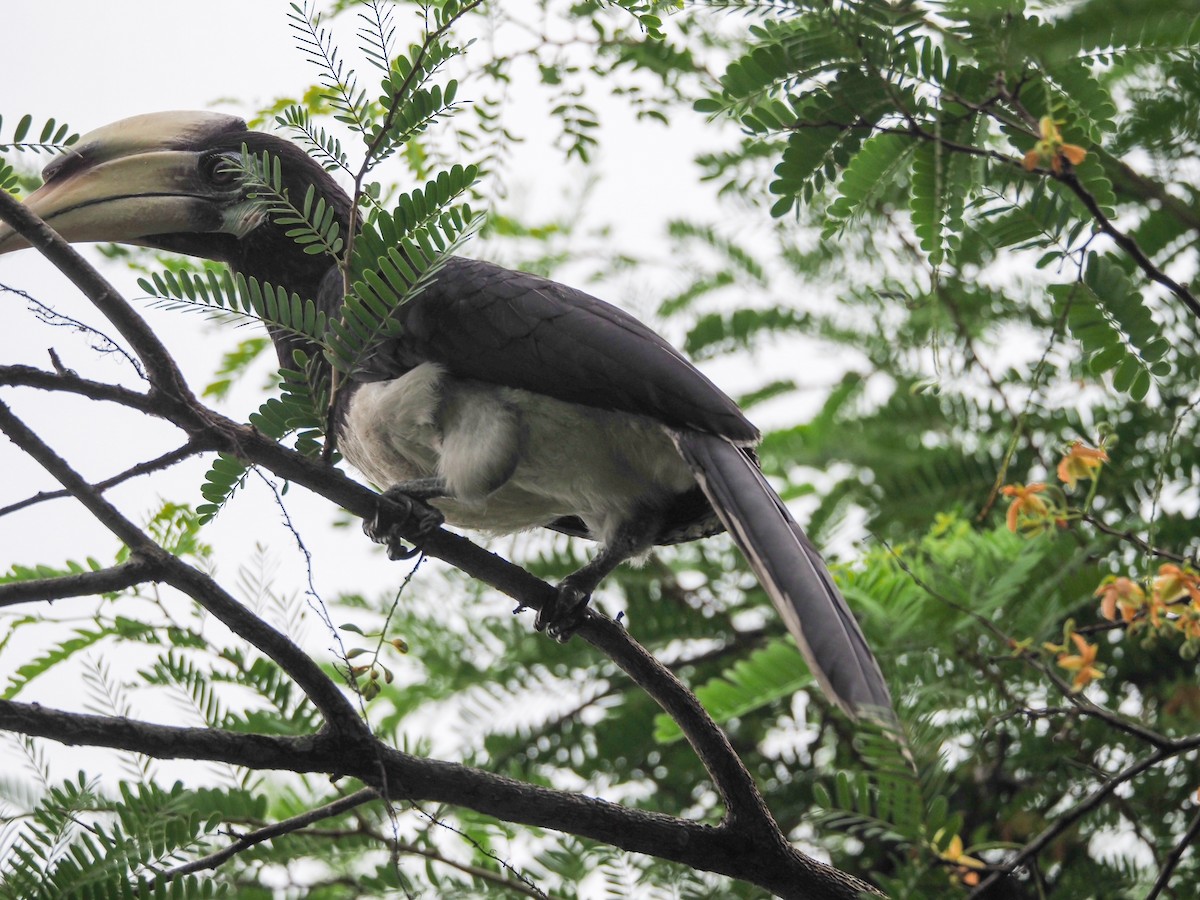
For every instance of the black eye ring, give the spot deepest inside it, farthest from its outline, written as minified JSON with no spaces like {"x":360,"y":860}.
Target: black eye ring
{"x":220,"y":169}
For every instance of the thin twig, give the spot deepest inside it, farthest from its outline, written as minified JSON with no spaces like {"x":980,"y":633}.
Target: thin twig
{"x":160,"y":366}
{"x":287,"y":826}
{"x":56,"y":319}
{"x":145,"y":468}
{"x":1126,"y":242}
{"x":1130,"y":537}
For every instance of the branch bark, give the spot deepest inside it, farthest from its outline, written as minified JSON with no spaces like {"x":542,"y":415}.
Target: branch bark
{"x":726,"y":849}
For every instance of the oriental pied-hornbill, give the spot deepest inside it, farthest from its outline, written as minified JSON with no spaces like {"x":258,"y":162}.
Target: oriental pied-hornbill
{"x":508,"y":401}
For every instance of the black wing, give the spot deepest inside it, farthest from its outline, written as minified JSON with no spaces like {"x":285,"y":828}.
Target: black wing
{"x":793,"y":574}
{"x":493,"y":324}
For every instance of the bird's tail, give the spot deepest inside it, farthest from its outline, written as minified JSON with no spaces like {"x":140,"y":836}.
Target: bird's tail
{"x":791,"y":570}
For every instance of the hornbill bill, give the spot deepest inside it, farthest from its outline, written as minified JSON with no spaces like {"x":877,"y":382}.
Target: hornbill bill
{"x":508,"y":401}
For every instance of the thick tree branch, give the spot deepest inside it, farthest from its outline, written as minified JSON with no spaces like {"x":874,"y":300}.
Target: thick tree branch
{"x":30,"y":376}
{"x":82,"y":584}
{"x":725,"y":849}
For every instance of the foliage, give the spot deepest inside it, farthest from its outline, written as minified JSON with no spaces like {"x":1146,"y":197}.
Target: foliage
{"x":986,"y":211}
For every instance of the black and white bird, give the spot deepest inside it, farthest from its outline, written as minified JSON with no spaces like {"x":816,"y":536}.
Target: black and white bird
{"x":507,"y":401}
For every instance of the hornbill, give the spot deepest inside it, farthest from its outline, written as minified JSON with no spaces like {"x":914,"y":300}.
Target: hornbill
{"x":507,"y":401}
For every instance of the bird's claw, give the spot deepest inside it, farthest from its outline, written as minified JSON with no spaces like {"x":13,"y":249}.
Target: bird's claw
{"x":415,"y":516}
{"x":561,"y":618}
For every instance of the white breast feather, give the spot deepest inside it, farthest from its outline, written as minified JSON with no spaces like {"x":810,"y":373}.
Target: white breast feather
{"x":512,"y":459}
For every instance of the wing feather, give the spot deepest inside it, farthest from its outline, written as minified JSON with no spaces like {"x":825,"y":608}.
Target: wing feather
{"x":486,"y":322}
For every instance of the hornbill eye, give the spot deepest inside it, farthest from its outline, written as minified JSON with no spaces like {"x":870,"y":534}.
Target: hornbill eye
{"x":221,"y":169}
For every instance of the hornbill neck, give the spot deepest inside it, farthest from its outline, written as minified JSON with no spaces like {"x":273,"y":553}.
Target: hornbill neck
{"x":271,"y":257}
{"x":267,"y":254}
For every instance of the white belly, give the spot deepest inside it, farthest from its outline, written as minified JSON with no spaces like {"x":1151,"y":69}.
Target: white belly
{"x":511,"y":459}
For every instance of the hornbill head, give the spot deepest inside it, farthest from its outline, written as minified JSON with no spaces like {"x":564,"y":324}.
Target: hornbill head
{"x":169,"y":180}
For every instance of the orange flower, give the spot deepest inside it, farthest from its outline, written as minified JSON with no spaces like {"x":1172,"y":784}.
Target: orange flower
{"x":1080,"y":464}
{"x":1050,"y":150}
{"x":964,"y":865}
{"x":1189,"y":624}
{"x":1120,"y":593}
{"x":1026,"y":508}
{"x":1174,"y":583}
{"x":1081,"y":663}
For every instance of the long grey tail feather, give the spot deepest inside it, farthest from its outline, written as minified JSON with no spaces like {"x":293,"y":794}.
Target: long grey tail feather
{"x":792,"y":572}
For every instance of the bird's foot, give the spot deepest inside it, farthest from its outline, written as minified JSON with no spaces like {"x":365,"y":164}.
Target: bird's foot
{"x":389,"y":525}
{"x":561,"y":618}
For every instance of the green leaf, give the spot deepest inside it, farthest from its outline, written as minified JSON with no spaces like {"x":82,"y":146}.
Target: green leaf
{"x":767,"y":675}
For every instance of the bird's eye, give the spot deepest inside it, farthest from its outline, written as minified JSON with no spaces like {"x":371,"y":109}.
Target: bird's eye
{"x":221,"y":169}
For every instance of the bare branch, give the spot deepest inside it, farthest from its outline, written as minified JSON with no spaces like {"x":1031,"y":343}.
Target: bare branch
{"x":30,"y":376}
{"x":724,"y":849}
{"x":1127,"y":243}
{"x":81,"y":584}
{"x":157,"y":464}
{"x":287,"y":826}
{"x":1065,"y":821}
{"x":1168,"y":869}
{"x":1133,"y":539}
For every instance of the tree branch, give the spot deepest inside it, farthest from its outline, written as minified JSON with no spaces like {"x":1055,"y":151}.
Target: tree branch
{"x":287,"y":826}
{"x":30,"y":376}
{"x":1071,"y":816}
{"x":1127,"y":181}
{"x":1127,"y":243}
{"x":164,"y":461}
{"x":1164,"y":877}
{"x":510,"y":884}
{"x":81,"y":584}
{"x":1068,"y":178}
{"x":724,"y":849}
{"x":1133,"y":539}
